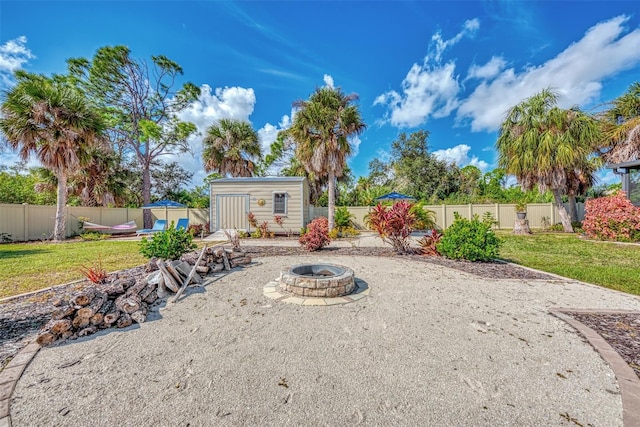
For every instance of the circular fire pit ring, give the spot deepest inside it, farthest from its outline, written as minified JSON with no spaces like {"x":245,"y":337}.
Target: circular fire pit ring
{"x":318,"y":280}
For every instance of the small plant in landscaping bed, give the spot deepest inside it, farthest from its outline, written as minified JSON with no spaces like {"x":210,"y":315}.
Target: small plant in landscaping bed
{"x":95,"y":273}
{"x":253,"y":222}
{"x":262,"y":231}
{"x":343,"y":232}
{"x":199,"y":229}
{"x":489,"y":219}
{"x":342,"y":217}
{"x":93,"y":236}
{"x":425,"y":218}
{"x":472,"y":240}
{"x":612,"y":218}
{"x":167,"y":244}
{"x":393,"y":224}
{"x":280,"y":221}
{"x":428,"y":244}
{"x":316,"y":235}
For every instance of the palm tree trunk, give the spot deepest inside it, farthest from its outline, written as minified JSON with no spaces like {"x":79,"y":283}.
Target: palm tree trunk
{"x":573,"y":208}
{"x":564,"y":215}
{"x":332,"y":199}
{"x":61,"y":201}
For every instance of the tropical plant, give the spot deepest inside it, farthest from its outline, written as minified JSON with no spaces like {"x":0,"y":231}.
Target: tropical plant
{"x":231,"y":147}
{"x":429,"y":243}
{"x":140,"y":105}
{"x":316,"y":235}
{"x":343,"y":218}
{"x":425,"y":218}
{"x":472,"y":240}
{"x":168,"y":244}
{"x":95,"y":272}
{"x":321,"y":128}
{"x":621,"y":126}
{"x":612,"y":218}
{"x":56,"y":123}
{"x":393,"y":224}
{"x":541,"y":144}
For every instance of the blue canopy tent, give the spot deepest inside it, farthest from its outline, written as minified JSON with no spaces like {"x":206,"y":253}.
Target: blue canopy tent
{"x":393,"y":196}
{"x":166,"y":204}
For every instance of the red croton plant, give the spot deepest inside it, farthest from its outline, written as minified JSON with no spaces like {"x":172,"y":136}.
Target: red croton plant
{"x":393,"y":224}
{"x":612,"y":218}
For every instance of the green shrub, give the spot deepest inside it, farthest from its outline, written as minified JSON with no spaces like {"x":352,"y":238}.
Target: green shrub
{"x":167,"y":244}
{"x":425,"y":219}
{"x":343,"y":217}
{"x":93,"y":236}
{"x":472,"y":240}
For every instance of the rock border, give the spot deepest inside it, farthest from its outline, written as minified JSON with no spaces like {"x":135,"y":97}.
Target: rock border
{"x":627,"y":379}
{"x":9,"y":378}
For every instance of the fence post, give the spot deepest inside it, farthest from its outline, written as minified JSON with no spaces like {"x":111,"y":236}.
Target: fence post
{"x":25,"y":217}
{"x":498,"y":216}
{"x":444,"y":216}
{"x":470,"y":211}
{"x":553,"y":214}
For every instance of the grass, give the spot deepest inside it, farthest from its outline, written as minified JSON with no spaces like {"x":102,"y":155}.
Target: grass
{"x":608,"y":264}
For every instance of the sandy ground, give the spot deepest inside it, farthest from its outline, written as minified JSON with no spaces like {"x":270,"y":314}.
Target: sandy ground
{"x":428,"y":346}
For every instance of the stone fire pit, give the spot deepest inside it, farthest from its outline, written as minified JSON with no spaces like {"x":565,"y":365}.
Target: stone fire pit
{"x":318,"y":280}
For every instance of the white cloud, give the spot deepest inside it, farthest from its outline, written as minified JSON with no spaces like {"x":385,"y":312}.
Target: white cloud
{"x":576,"y":73}
{"x":460,"y":156}
{"x":430,"y":89}
{"x":488,"y":70}
{"x":13,"y":54}
{"x":328,"y":80}
{"x":355,"y":142}
{"x":268,"y":134}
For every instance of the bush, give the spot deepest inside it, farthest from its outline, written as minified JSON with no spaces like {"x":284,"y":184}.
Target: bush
{"x":425,"y":219}
{"x":167,"y":244}
{"x":316,"y":235}
{"x":343,"y":217}
{"x":393,"y":224}
{"x":612,"y":218}
{"x":343,"y":232}
{"x":428,"y":244}
{"x":199,"y":229}
{"x":91,"y":236}
{"x":472,"y":240}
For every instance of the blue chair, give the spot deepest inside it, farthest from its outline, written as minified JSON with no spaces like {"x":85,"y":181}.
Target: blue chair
{"x":159,"y":225}
{"x":182,"y":223}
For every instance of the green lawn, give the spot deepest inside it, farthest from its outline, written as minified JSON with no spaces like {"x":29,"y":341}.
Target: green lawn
{"x":26,"y":267}
{"x":612,"y":265}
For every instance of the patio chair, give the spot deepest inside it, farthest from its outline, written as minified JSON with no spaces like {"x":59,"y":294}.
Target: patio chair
{"x":159,"y":225}
{"x":182,"y":223}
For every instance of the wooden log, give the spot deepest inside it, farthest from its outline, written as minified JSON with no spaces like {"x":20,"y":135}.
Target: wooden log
{"x":188,"y":279}
{"x":80,"y":322}
{"x":235,"y":254}
{"x":137,"y":288}
{"x":45,"y":338}
{"x":241,"y":261}
{"x":106,"y":307}
{"x":162,"y":290}
{"x":185,"y":270}
{"x":67,"y":335}
{"x":95,"y":305}
{"x":58,"y":327}
{"x":217,"y":268}
{"x":97,"y":319}
{"x":84,"y":298}
{"x":169,"y":281}
{"x":124,"y":320}
{"x":62,"y":312}
{"x":114,"y":288}
{"x":202,"y":269}
{"x":521,"y":226}
{"x":87,"y":331}
{"x":175,"y":273}
{"x":140,"y":315}
{"x":225,"y":261}
{"x":126,"y":282}
{"x":152,"y":297}
{"x":111,"y":317}
{"x":147,"y":291}
{"x":128,"y":304}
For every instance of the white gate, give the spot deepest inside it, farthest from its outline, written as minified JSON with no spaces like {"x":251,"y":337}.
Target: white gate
{"x":231,"y":211}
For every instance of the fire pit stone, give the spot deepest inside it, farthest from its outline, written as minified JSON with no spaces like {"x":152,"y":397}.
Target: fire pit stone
{"x":318,"y":280}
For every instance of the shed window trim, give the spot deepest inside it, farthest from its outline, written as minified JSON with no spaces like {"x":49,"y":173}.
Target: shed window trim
{"x":280,"y":203}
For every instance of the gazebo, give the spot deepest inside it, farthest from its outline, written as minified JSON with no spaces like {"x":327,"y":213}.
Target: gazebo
{"x":630,"y":173}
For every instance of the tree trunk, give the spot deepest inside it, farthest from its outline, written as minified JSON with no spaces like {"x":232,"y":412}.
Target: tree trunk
{"x":146,"y":194}
{"x":331,"y":192}
{"x":564,"y":216}
{"x":61,"y":201}
{"x":573,"y":208}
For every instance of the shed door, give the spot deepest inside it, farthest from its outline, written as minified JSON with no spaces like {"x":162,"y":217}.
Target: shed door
{"x":231,"y":211}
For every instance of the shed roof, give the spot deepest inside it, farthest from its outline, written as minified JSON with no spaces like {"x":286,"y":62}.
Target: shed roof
{"x":634,"y":164}
{"x":261,"y":179}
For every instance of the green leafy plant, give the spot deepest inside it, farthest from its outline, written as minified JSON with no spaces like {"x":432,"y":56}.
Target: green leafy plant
{"x":472,"y":240}
{"x":489,"y":219}
{"x":425,"y":219}
{"x":317,"y":235}
{"x":428,"y":244}
{"x":521,"y":206}
{"x":93,"y":236}
{"x":393,"y":224}
{"x":342,"y":217}
{"x":168,"y":244}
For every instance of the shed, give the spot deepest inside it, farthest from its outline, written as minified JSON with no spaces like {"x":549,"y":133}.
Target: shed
{"x":266,"y":197}
{"x":630,"y":172}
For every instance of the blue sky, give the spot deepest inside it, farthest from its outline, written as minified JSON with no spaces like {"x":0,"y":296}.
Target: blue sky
{"x":451,"y":67}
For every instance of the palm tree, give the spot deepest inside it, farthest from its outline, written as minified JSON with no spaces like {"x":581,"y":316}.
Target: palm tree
{"x":231,"y":148}
{"x":56,"y":123}
{"x":621,"y":126}
{"x":541,"y":144}
{"x":321,"y":128}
